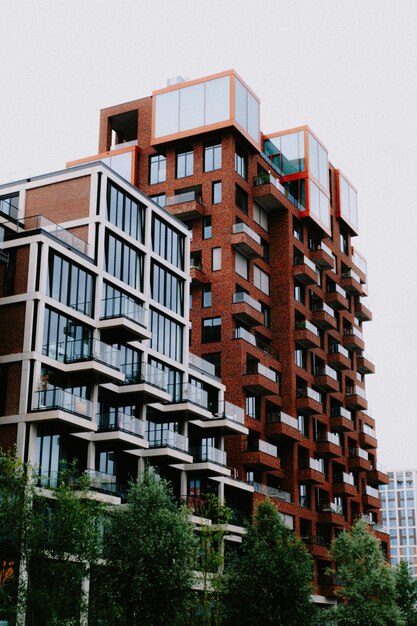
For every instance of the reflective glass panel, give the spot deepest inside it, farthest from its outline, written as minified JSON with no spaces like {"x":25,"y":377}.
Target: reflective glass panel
{"x":241,"y":105}
{"x":253,"y":117}
{"x":191,"y":107}
{"x":166,"y":113}
{"x":217,"y":100}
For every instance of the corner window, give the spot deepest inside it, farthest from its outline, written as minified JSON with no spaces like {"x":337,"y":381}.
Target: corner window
{"x":216,"y":192}
{"x":157,"y":169}
{"x":185,"y":164}
{"x":211,"y":329}
{"x":212,"y":157}
{"x":241,"y":163}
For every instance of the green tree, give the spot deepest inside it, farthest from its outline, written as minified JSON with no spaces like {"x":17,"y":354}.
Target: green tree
{"x":406,"y":587}
{"x":271,"y":580}
{"x":368,"y":590}
{"x":149,"y":544}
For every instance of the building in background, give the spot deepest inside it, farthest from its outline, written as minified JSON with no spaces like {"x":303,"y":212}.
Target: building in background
{"x":398,"y":504}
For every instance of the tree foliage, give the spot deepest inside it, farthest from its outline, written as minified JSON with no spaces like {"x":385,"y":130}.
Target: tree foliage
{"x":149,"y":544}
{"x":271,"y":580}
{"x":406,"y":587}
{"x":368,"y":589}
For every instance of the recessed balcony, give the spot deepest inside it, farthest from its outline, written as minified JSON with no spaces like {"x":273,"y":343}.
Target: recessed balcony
{"x":279,"y":425}
{"x":246,"y":309}
{"x":229,"y":420}
{"x":186,"y":206}
{"x":323,"y":257}
{"x":371,"y":498}
{"x":306,"y":334}
{"x":362,"y":312}
{"x":367,"y":437}
{"x":325,"y":378}
{"x":329,"y":445}
{"x":361,"y":266}
{"x":341,"y":419}
{"x":123,"y":319}
{"x":260,"y":379}
{"x":268,"y":192}
{"x":55,"y":404}
{"x":309,"y":401}
{"x":246,"y":241}
{"x":351,"y":282}
{"x":336,"y":298}
{"x":323,"y":316}
{"x":359,"y":459}
{"x":356,"y":398}
{"x":338,"y":357}
{"x":364,"y":363}
{"x":87,"y":355}
{"x":378,"y":475}
{"x":344,"y":485}
{"x":313,"y":472}
{"x":262,"y":456}
{"x":353,"y":339}
{"x":331,"y":513}
{"x":304,"y":270}
{"x":125,"y":431}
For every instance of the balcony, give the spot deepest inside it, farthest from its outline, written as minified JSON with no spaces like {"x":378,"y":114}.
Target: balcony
{"x":309,"y":401}
{"x":146,"y":382}
{"x":246,"y":309}
{"x":262,"y":456}
{"x":120,"y":429}
{"x":122,"y":319}
{"x":351,"y":282}
{"x":356,"y":398}
{"x":359,"y":459}
{"x":272,"y":492}
{"x":191,"y":402}
{"x":323,"y":316}
{"x":364,"y":363}
{"x":208,"y":459}
{"x":341,"y":419}
{"x":229,"y":420}
{"x":304,"y":270}
{"x":56,"y":404}
{"x":360,"y":264}
{"x":185,"y":206}
{"x":246,"y":241}
{"x":331,"y":513}
{"x":371,"y":498}
{"x":306,"y":334}
{"x":201,"y":365}
{"x":167,"y":446}
{"x":329,"y":445}
{"x":378,"y":475}
{"x":198,"y":277}
{"x":338,"y":357}
{"x":323,"y":257}
{"x":89,"y":355}
{"x":344,"y":485}
{"x":367,"y":437}
{"x":280,"y":425}
{"x":260,"y":379}
{"x":336,"y":298}
{"x":353,"y":339}
{"x":325,"y":378}
{"x":268,"y":192}
{"x":312,"y":472}
{"x":362,"y":312}
{"x":35,"y":224}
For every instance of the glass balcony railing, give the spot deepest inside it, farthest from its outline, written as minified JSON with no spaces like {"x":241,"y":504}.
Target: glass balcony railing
{"x":202,"y":454}
{"x":257,"y":368}
{"x":359,"y":261}
{"x":166,"y":438}
{"x":122,"y":306}
{"x":187,"y":196}
{"x":57,"y":398}
{"x":302,"y":259}
{"x":262,"y":446}
{"x":81,"y":350}
{"x":335,"y":288}
{"x":102,"y":481}
{"x":267,"y":178}
{"x":230,"y":411}
{"x":336,"y":348}
{"x":136,"y":374}
{"x":242,"y":333}
{"x":241,"y":296}
{"x":344,"y":477}
{"x":308,"y":392}
{"x":325,"y":370}
{"x":306,"y":325}
{"x":367,"y":430}
{"x":328,"y":437}
{"x":316,"y":465}
{"x":40,"y":222}
{"x":117,"y":420}
{"x":322,"y":306}
{"x":352,"y":330}
{"x":340,"y":411}
{"x":202,"y":365}
{"x":371,"y":491}
{"x":279,"y":417}
{"x":271,"y":492}
{"x":331,"y":507}
{"x":187,"y":392}
{"x":355,"y":390}
{"x":349,"y":273}
{"x":241,"y":227}
{"x":358,"y":453}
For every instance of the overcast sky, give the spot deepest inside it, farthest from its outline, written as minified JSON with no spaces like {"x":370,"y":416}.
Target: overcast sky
{"x":347,"y":68}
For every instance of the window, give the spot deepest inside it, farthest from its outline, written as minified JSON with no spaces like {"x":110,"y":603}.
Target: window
{"x":304,"y":497}
{"x":267,"y":251}
{"x":216,"y":259}
{"x":211,"y":329}
{"x":157,"y":169}
{"x":47,"y":462}
{"x":241,"y":199}
{"x":303,"y":424}
{"x":207,"y":227}
{"x":216,"y":192}
{"x":166,"y":336}
{"x":125,"y":212}
{"x":301,"y":358}
{"x":261,"y":279}
{"x":266,"y":312}
{"x":253,"y":407}
{"x":344,"y":243}
{"x":65,"y":339}
{"x":212,"y":157}
{"x":241,"y":265}
{"x":116,"y":304}
{"x":123,"y":262}
{"x":298,"y":230}
{"x":185,"y":163}
{"x":9,"y":205}
{"x":260,"y":216}
{"x":215,"y":359}
{"x":299,"y":292}
{"x":241,"y":163}
{"x":167,"y":242}
{"x":159,"y":199}
{"x":174,"y":378}
{"x":167,"y":289}
{"x":206,"y":296}
{"x":70,"y":285}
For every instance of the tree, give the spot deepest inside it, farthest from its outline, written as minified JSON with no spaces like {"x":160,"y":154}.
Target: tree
{"x":368,"y":590}
{"x":406,"y":587}
{"x":149,"y":544}
{"x":270,"y":582}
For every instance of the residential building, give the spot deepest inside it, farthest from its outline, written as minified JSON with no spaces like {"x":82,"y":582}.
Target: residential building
{"x":398,"y":504}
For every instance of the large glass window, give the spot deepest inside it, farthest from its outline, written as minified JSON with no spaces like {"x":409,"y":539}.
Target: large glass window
{"x":319,"y":204}
{"x":70,"y":285}
{"x":167,"y":289}
{"x":64,"y":338}
{"x":246,"y":110}
{"x":123,"y":262}
{"x":125,"y":212}
{"x":47,"y":462}
{"x":348,"y":202}
{"x":185,"y":163}
{"x":9,"y":205}
{"x":211,"y":329}
{"x":167,"y":336}
{"x":167,"y":242}
{"x":212,"y":157}
{"x":318,"y":162}
{"x":157,"y":169}
{"x":287,"y":152}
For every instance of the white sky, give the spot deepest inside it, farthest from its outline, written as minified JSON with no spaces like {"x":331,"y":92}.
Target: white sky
{"x":348,"y":68}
